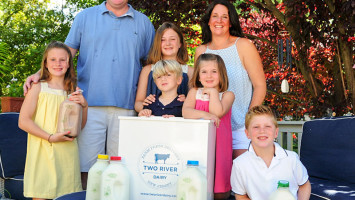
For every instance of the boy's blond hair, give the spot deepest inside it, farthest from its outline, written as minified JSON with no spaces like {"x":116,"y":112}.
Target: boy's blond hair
{"x":257,"y":111}
{"x":162,"y":67}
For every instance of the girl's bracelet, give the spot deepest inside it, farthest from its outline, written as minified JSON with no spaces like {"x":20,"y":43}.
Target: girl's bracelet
{"x":49,"y":137}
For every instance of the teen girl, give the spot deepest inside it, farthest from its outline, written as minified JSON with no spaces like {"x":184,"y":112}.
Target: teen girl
{"x":52,"y":163}
{"x":169,"y":44}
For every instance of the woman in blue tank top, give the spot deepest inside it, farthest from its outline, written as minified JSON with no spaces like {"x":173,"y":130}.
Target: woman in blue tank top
{"x":169,"y":44}
{"x":222,"y":35}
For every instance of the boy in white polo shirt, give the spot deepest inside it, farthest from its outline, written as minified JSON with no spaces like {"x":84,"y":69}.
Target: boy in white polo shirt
{"x":256,"y":172}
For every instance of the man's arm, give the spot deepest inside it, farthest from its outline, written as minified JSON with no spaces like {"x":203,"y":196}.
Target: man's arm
{"x":73,"y":51}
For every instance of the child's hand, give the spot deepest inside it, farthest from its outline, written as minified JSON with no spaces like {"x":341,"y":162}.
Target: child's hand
{"x":149,"y":100}
{"x":181,"y":97}
{"x":168,"y":116}
{"x":209,"y":91}
{"x":145,"y":113}
{"x":214,"y":118}
{"x":78,"y":97}
{"x":60,"y":137}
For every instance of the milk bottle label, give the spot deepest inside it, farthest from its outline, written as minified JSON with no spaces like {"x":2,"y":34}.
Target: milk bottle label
{"x":192,"y":185}
{"x":94,"y":178}
{"x":115,"y":184}
{"x":70,"y":117}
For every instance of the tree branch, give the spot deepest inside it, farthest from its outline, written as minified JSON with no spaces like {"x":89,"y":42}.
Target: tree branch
{"x":340,"y":69}
{"x":338,"y":23}
{"x":7,"y":18}
{"x":330,"y":5}
{"x":261,"y":39}
{"x":284,"y":96}
{"x":276,"y":12}
{"x":254,"y":4}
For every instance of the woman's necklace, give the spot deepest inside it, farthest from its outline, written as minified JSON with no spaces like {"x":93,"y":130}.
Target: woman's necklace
{"x":222,"y":44}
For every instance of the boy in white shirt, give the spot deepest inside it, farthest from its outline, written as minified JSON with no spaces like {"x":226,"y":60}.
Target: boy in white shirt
{"x":256,"y":172}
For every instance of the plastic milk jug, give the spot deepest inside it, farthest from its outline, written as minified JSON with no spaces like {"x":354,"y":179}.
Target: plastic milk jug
{"x":192,"y":183}
{"x":115,"y":181}
{"x":94,"y":178}
{"x":69,"y":119}
{"x":282,"y":192}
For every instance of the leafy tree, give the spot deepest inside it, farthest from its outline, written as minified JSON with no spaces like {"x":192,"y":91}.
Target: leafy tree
{"x":4,"y":53}
{"x":26,"y":27}
{"x":322,"y":74}
{"x":323,"y":34}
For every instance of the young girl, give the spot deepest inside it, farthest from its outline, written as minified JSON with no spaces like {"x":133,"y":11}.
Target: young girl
{"x":167,"y":75}
{"x":169,"y":44}
{"x":52,"y":164}
{"x":208,"y":99}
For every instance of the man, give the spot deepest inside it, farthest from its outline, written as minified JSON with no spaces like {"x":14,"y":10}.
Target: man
{"x":112,"y":39}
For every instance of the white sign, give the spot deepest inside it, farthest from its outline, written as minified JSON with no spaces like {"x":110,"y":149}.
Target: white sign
{"x":155,"y":151}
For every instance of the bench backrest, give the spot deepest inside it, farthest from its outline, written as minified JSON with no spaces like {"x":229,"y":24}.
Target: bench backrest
{"x":328,"y":148}
{"x":13,"y":144}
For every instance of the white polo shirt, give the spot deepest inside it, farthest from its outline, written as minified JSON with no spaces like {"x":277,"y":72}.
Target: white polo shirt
{"x":251,"y":176}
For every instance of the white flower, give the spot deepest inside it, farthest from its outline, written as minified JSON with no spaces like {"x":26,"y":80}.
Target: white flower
{"x":13,"y":79}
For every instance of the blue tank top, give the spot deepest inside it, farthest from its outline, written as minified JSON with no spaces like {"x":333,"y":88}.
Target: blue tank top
{"x":182,"y":89}
{"x":239,"y":83}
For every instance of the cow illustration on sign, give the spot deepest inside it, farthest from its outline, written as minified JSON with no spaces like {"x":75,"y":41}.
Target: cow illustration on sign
{"x":161,"y":157}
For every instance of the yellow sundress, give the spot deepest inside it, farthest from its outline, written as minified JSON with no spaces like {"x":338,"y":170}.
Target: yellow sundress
{"x":52,"y":169}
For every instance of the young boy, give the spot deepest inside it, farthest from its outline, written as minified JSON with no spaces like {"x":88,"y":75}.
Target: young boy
{"x":167,"y":75}
{"x":256,"y":172}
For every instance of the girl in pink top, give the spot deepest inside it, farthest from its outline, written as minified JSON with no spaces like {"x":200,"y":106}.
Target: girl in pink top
{"x":208,"y":99}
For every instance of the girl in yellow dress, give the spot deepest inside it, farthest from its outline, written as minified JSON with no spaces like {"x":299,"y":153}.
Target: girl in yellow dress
{"x":52,"y":163}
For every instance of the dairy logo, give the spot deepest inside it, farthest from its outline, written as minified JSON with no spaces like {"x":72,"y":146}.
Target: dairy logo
{"x":159,"y":166}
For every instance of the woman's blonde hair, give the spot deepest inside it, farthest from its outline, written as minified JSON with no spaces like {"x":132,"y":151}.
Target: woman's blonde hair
{"x":69,"y":77}
{"x":162,"y":67}
{"x":257,"y":111}
{"x":155,"y":53}
{"x":223,"y":77}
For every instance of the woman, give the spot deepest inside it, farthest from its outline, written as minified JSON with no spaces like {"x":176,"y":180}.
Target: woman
{"x":169,"y":44}
{"x":222,"y":35}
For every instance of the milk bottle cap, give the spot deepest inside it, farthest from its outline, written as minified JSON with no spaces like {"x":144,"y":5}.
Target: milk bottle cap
{"x":103,"y":157}
{"x":192,"y":162}
{"x":118,"y":158}
{"x":282,"y":183}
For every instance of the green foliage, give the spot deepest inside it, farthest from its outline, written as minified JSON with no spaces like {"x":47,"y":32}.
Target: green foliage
{"x":13,"y":89}
{"x":184,"y":13}
{"x":77,"y":5}
{"x":192,"y":43}
{"x":26,"y":27}
{"x":4,"y":53}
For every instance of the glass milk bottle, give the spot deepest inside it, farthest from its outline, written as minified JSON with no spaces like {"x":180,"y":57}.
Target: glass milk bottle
{"x":115,"y":181}
{"x":69,"y":119}
{"x":94,"y":178}
{"x":282,"y":192}
{"x":192,"y":183}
